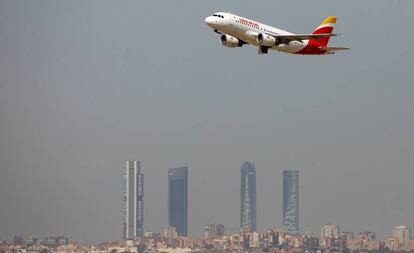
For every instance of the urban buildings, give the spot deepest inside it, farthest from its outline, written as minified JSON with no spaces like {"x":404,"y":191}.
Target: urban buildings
{"x":213,"y":230}
{"x":271,"y":241}
{"x":133,"y":200}
{"x":248,"y":197}
{"x":330,"y":237}
{"x":330,"y":231}
{"x":402,"y":234}
{"x":291,"y":201}
{"x":178,"y":199}
{"x":365,"y":236}
{"x":50,"y":241}
{"x":169,"y":232}
{"x":363,"y":241}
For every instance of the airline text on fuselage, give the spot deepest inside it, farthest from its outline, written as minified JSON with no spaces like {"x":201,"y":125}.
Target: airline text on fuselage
{"x":248,"y":22}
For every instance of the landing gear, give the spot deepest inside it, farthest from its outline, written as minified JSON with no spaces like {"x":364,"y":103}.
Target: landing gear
{"x":262,"y":50}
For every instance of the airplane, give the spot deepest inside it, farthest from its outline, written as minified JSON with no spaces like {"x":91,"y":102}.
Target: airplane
{"x":237,"y":31}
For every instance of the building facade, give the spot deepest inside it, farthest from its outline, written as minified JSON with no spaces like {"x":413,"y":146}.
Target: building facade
{"x":178,"y":199}
{"x":330,"y":231}
{"x":291,"y":201}
{"x":402,"y":234}
{"x":133,"y":200}
{"x":213,"y":230}
{"x":248,"y":197}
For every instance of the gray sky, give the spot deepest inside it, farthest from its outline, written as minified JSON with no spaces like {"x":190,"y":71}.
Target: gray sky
{"x":86,"y":85}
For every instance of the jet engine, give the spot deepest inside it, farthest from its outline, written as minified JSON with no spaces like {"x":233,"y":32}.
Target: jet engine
{"x":266,"y":40}
{"x":230,"y":41}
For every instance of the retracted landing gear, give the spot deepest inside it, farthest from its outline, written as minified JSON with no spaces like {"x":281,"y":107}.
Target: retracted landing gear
{"x":262,"y":50}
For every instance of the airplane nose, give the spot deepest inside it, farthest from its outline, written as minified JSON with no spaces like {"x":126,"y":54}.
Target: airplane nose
{"x":209,"y":21}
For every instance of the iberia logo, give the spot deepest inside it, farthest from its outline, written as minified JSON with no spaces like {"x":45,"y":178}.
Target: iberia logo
{"x":248,"y":22}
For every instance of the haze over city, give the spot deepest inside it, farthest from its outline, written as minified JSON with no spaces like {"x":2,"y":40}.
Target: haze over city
{"x":85,"y":86}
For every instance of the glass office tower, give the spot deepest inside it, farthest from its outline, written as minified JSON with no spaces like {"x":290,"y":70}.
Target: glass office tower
{"x":133,"y":201}
{"x":178,"y":199}
{"x":248,"y":197}
{"x":291,"y":201}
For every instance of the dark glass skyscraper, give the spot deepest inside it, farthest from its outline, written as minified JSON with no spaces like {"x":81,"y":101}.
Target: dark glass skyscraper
{"x":248,"y":196}
{"x":291,"y":201}
{"x":178,"y":199}
{"x":133,"y":201}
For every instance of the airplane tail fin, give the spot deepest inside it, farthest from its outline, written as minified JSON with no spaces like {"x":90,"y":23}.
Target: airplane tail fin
{"x":326,"y":26}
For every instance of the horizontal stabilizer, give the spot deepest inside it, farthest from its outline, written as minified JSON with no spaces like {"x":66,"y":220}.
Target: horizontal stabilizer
{"x":332,"y":49}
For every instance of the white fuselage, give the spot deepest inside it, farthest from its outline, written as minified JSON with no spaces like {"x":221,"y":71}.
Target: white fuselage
{"x":247,"y":31}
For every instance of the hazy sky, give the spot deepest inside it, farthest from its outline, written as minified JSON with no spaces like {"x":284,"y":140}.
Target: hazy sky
{"x":86,"y":85}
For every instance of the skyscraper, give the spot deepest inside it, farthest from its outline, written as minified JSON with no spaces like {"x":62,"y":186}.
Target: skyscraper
{"x":133,"y":201}
{"x":291,"y":201}
{"x":178,"y":199}
{"x":248,"y":197}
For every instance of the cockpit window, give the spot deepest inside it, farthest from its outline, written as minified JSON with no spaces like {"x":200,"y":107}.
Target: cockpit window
{"x":219,"y":16}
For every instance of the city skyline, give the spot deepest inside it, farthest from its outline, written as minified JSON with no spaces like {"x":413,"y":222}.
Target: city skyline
{"x":330,"y":230}
{"x":86,"y":85}
{"x":331,"y":239}
{"x":178,"y":190}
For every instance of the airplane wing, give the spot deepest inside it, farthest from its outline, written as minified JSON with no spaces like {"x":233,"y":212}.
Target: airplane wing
{"x":300,"y":37}
{"x":333,"y":49}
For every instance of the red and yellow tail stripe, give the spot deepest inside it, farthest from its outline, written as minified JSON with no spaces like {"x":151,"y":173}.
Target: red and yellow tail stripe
{"x":326,"y":26}
{"x":329,"y":20}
